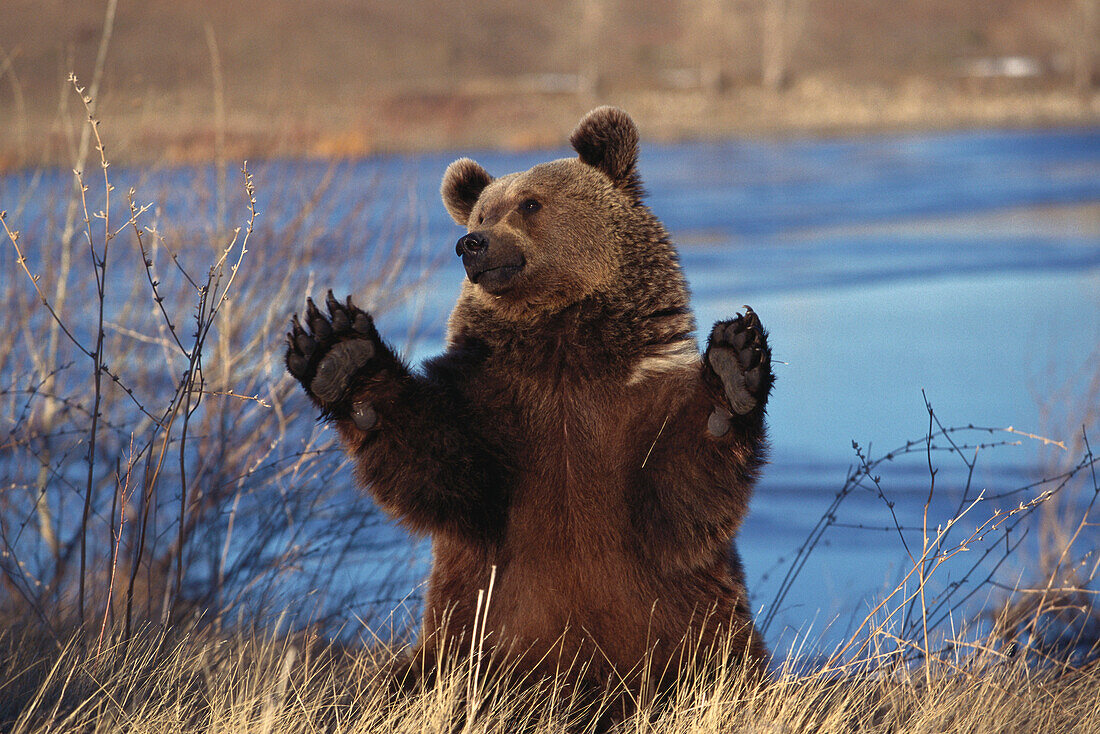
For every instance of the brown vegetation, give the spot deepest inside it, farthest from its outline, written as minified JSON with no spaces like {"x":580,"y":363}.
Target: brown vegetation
{"x":263,"y":683}
{"x":187,"y":79}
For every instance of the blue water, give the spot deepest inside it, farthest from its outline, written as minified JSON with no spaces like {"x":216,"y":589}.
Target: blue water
{"x":964,"y":265}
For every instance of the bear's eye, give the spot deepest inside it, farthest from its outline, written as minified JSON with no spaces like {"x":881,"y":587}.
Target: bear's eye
{"x":530,"y":206}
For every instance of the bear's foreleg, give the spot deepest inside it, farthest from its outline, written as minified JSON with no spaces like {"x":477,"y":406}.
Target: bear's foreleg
{"x":694,"y":485}
{"x":404,"y":431}
{"x":702,"y":462}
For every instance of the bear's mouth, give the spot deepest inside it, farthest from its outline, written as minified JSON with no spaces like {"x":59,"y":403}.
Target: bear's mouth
{"x":495,"y":278}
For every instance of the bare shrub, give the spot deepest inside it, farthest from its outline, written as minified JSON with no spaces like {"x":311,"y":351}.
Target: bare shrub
{"x":157,"y":462}
{"x":1048,"y":616}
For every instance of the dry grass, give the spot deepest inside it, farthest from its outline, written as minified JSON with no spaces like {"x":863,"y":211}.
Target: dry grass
{"x":510,"y":116}
{"x":266,"y":683}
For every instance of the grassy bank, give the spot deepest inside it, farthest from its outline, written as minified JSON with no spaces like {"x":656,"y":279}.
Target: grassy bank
{"x":201,"y":681}
{"x":413,"y":120}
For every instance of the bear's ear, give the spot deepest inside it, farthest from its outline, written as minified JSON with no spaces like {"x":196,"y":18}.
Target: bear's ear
{"x":462,"y":186}
{"x":608,"y":139}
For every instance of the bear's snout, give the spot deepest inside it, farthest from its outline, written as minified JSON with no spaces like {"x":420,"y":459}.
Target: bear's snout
{"x":491,"y":264}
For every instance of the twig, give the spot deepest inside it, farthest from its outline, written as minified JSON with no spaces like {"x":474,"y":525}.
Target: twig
{"x":1046,"y":441}
{"x":99,"y":268}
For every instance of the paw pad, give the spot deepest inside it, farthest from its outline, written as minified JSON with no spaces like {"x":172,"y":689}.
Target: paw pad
{"x":327,"y":352}
{"x":738,"y":353}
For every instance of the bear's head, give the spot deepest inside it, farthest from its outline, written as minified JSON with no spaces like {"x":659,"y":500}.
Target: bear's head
{"x":540,"y":240}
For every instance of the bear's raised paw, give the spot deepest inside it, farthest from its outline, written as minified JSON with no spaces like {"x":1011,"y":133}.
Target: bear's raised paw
{"x":738,"y":353}
{"x":327,"y":353}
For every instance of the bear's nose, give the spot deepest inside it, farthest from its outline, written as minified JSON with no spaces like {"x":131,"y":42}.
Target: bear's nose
{"x":471,"y":244}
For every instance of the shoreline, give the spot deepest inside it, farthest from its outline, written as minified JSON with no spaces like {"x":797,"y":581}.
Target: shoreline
{"x":172,"y":131}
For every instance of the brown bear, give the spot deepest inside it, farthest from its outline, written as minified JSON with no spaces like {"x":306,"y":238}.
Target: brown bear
{"x":571,"y":436}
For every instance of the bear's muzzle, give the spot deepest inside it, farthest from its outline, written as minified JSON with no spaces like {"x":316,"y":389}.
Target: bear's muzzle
{"x":491,"y":264}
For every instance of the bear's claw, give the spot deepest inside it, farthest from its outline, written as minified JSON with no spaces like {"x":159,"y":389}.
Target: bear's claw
{"x":327,"y":352}
{"x":738,"y":353}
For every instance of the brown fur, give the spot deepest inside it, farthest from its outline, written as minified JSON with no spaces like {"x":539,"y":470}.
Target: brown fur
{"x":562,"y":436}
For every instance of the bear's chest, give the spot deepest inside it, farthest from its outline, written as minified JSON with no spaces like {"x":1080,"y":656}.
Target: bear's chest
{"x":575,"y":430}
{"x":572,"y":435}
{"x":566,"y":433}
